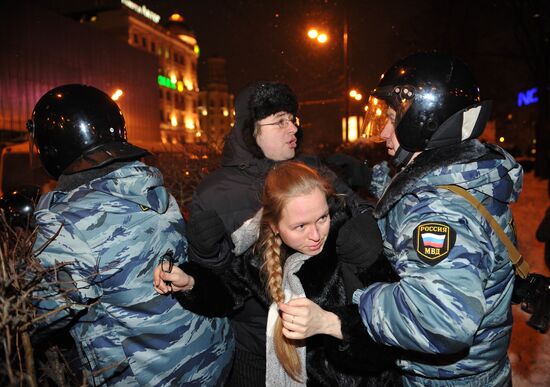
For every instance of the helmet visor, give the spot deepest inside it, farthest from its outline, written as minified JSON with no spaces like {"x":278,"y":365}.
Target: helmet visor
{"x":375,"y":120}
{"x":378,"y":114}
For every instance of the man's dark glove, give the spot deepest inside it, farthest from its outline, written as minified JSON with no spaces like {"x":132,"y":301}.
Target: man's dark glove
{"x":205,"y":232}
{"x":355,"y":173}
{"x":359,"y":242}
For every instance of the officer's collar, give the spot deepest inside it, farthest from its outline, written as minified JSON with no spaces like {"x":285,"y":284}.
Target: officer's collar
{"x":426,"y":162}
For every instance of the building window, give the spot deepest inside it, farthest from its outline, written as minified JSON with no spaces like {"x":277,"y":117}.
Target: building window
{"x":161,"y":94}
{"x":153,"y":47}
{"x":136,"y":39}
{"x":161,"y":116}
{"x":144,"y":42}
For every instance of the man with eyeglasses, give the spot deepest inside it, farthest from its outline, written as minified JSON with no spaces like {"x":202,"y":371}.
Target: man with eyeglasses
{"x":266,"y":131}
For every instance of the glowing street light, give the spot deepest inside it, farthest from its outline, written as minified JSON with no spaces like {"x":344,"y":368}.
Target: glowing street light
{"x":320,"y":36}
{"x":117,"y":94}
{"x":313,"y":33}
{"x":355,"y":95}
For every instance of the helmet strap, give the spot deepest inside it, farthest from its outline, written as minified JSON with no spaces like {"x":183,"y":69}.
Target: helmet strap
{"x":401,"y":158}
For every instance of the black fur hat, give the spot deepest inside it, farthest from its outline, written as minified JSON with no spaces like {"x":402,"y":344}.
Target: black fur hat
{"x":263,"y":99}
{"x":271,"y":97}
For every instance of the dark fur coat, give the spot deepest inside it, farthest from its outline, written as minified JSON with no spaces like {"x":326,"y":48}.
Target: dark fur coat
{"x":354,"y":361}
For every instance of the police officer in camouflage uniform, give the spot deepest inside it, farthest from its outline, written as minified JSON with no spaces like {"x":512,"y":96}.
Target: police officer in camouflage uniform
{"x":108,"y":223}
{"x":451,"y":308}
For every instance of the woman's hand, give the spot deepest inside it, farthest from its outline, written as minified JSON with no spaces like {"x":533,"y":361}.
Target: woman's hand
{"x":302,"y":318}
{"x":174,"y":281}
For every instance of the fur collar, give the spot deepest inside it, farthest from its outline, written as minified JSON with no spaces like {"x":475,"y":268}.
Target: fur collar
{"x":427,"y":162}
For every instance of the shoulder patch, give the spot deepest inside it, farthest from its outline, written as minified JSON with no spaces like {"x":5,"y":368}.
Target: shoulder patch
{"x":433,"y":241}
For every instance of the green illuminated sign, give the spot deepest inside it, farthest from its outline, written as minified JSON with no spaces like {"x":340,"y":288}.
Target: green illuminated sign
{"x":165,"y":81}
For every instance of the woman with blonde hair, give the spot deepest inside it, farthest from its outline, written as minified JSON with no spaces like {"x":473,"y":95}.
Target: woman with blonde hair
{"x":290,"y":250}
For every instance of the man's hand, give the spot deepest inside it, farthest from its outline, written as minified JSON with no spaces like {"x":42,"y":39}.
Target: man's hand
{"x":174,"y":281}
{"x":205,"y":231}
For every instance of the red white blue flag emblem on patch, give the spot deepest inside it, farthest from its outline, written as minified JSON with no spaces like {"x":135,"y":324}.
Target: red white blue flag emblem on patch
{"x":433,"y":241}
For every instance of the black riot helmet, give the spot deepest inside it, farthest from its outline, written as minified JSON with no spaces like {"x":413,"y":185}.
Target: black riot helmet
{"x":436,"y":102}
{"x":78,"y":127}
{"x":18,"y":206}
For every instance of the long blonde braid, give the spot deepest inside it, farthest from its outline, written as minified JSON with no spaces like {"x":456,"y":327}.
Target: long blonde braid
{"x":285,"y":349}
{"x":286,"y":180}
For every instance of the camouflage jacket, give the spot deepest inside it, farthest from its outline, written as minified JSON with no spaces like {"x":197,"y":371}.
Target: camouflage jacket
{"x":110,"y":234}
{"x":451,"y":307}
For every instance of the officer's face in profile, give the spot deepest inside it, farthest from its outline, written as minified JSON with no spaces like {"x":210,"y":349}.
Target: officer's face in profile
{"x":388,"y":133}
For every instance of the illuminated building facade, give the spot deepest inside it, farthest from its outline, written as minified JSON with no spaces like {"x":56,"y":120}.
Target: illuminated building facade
{"x":216,"y":110}
{"x":176,"y":49}
{"x":44,"y":50}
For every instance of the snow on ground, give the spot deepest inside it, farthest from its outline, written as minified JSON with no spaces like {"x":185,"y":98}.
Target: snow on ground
{"x":529,"y":350}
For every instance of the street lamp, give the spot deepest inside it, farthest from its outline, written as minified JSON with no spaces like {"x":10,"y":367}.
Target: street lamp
{"x":355,"y":95}
{"x":117,"y":94}
{"x":322,"y":38}
{"x":319,"y":36}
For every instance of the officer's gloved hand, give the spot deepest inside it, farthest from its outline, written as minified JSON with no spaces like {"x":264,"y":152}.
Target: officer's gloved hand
{"x":205,"y":232}
{"x":358,"y":246}
{"x":359,"y":241}
{"x":356,"y":173}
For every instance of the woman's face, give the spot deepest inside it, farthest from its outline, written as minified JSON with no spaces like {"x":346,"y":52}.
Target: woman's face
{"x":305,"y":223}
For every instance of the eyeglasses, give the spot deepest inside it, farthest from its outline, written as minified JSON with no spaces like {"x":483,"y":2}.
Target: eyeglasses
{"x":168,"y":259}
{"x":284,"y":122}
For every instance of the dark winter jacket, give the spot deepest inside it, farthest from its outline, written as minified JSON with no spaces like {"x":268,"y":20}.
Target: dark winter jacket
{"x":355,"y":360}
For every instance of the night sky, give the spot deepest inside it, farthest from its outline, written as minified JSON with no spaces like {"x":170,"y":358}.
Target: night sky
{"x":267,"y":40}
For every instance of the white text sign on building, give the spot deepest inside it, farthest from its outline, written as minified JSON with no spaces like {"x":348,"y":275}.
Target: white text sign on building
{"x":142,"y":10}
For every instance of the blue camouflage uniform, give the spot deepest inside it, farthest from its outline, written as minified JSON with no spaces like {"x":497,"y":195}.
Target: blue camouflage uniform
{"x":451,"y":308}
{"x":111,"y":233}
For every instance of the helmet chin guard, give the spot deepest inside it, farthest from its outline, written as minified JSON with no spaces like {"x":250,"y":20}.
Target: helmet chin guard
{"x":401,"y":158}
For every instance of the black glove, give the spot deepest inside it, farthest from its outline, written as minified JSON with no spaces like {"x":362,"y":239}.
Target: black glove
{"x":359,"y":242}
{"x":205,"y":232}
{"x":352,"y":282}
{"x":355,"y":173}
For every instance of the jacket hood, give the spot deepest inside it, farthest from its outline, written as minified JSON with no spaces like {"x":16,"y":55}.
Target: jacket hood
{"x":485,"y":168}
{"x":236,"y":151}
{"x":134,"y":182}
